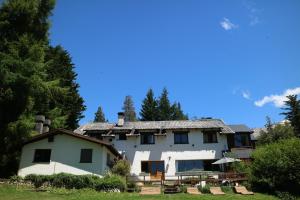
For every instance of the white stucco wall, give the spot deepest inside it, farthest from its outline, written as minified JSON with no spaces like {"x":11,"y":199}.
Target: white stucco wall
{"x":65,"y":157}
{"x":165,"y":149}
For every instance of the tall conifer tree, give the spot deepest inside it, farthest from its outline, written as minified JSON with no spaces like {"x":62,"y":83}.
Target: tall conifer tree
{"x":164,"y":107}
{"x":99,"y":115}
{"x":293,"y":112}
{"x":149,"y":111}
{"x":129,"y":110}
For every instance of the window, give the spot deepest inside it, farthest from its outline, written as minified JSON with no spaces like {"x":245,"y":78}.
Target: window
{"x":188,"y":165}
{"x":42,"y":155}
{"x":241,"y":139}
{"x":181,"y":138}
{"x":122,"y":136}
{"x":145,"y":166}
{"x":51,"y":138}
{"x":147,"y":138}
{"x":210,"y":137}
{"x":86,"y":155}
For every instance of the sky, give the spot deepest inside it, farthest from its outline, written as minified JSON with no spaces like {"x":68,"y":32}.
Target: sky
{"x":230,"y":59}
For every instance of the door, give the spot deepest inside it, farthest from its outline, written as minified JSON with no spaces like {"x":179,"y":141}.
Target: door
{"x":156,"y":169}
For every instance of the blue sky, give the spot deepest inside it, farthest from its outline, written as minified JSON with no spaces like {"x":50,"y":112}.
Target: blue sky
{"x":222,"y":59}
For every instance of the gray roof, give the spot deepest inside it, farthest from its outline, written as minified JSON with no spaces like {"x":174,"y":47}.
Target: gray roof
{"x":239,"y":128}
{"x":148,"y":125}
{"x":257,"y":133}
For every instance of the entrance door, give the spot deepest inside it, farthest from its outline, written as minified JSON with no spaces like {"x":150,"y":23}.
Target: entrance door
{"x":155,"y":168}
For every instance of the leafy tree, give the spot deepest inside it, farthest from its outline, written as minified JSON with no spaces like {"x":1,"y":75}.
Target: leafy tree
{"x":164,"y":107}
{"x":149,"y":111}
{"x":276,"y":167}
{"x":99,"y":115}
{"x":129,"y":110}
{"x":293,"y":112}
{"x":177,"y":113}
{"x":121,"y":167}
{"x":275,"y":132}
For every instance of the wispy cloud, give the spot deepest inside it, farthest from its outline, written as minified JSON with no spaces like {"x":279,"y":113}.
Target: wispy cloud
{"x":253,"y":12}
{"x":246,"y":94}
{"x":227,"y":25}
{"x":277,"y":100}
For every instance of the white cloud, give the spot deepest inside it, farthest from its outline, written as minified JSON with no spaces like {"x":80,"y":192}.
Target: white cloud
{"x":253,"y":12}
{"x":227,"y":25}
{"x":277,"y":100}
{"x":246,"y":95}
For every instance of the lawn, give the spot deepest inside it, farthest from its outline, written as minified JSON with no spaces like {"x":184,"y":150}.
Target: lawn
{"x":9,"y":192}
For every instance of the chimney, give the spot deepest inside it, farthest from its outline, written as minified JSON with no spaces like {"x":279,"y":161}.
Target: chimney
{"x":39,"y":120}
{"x":121,"y":117}
{"x":46,"y":125}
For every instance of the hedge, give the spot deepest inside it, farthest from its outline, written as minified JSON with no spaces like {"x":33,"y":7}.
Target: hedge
{"x":70,"y":181}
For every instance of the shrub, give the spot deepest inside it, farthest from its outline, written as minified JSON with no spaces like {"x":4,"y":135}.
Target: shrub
{"x":109,"y":183}
{"x":15,"y":179}
{"x":227,"y":189}
{"x":276,"y":167}
{"x":36,"y":180}
{"x":205,"y":189}
{"x":183,"y":188}
{"x":121,"y":167}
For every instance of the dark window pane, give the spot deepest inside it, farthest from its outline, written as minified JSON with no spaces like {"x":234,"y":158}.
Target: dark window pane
{"x":210,"y":137}
{"x":145,"y":167}
{"x":188,"y":165}
{"x":181,"y":138}
{"x":147,"y":138}
{"x":86,"y":155}
{"x":42,"y":155}
{"x":122,"y":136}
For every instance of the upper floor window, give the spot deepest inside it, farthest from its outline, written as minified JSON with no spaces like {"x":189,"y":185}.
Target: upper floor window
{"x":241,"y":139}
{"x":181,"y":138}
{"x":147,"y":138}
{"x":210,"y":137}
{"x":42,"y":155}
{"x":122,"y":136}
{"x":86,"y":155}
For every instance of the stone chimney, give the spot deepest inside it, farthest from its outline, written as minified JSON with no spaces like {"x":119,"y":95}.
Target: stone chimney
{"x":46,"y":125}
{"x":39,"y":121}
{"x":121,"y":118}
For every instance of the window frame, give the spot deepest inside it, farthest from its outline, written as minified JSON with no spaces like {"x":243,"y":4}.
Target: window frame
{"x":180,"y":134}
{"x":89,"y":159}
{"x":37,"y":159}
{"x":142,"y":135}
{"x":210,"y":139}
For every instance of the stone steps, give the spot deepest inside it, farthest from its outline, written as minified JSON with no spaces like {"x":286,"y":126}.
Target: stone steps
{"x":150,"y":190}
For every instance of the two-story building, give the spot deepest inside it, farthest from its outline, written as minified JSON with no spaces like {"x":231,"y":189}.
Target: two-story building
{"x":171,"y":146}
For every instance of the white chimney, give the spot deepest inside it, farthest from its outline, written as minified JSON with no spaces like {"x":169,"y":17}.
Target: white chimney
{"x":46,"y":125}
{"x":121,"y":118}
{"x":39,"y":121}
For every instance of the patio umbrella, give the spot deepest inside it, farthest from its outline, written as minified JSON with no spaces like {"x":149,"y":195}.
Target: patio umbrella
{"x":226,"y":160}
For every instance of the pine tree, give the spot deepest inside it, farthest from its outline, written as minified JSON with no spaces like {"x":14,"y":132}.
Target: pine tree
{"x":99,"y":115}
{"x":292,"y":108}
{"x":149,"y":111}
{"x":164,"y":107}
{"x":177,"y":113}
{"x":129,"y":110}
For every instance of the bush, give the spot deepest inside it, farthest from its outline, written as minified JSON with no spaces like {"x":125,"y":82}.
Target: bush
{"x":109,"y":183}
{"x":205,"y":189}
{"x":183,"y":188}
{"x":121,"y":167}
{"x":36,"y":180}
{"x":226,"y":189}
{"x":276,"y":167}
{"x":15,"y":179}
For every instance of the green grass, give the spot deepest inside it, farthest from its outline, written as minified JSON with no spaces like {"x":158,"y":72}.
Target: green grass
{"x":10,"y":192}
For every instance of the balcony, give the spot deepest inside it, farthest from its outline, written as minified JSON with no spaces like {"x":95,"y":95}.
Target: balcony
{"x":242,"y":152}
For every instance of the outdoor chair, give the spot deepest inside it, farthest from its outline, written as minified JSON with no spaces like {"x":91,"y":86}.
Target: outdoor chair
{"x":216,"y":191}
{"x":242,"y":190}
{"x":193,"y":190}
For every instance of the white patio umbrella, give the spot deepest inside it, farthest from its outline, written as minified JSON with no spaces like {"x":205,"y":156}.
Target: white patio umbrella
{"x":226,"y":160}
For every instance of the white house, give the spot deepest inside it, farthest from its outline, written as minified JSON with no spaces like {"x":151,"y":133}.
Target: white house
{"x":64,"y":151}
{"x":169,"y":147}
